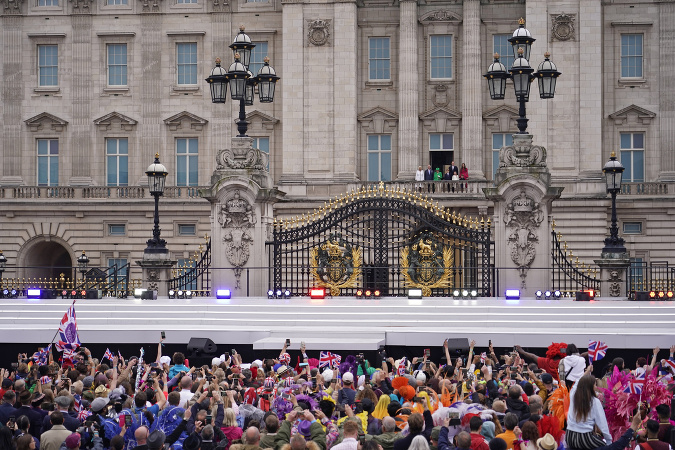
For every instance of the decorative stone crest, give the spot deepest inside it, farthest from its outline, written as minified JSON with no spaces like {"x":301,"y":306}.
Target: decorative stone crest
{"x":318,"y":31}
{"x":614,"y":283}
{"x":236,"y":218}
{"x":81,"y":6}
{"x":153,"y":279}
{"x":220,"y":5}
{"x":562,"y":27}
{"x":336,"y":264}
{"x":440,"y":97}
{"x":11,"y":6}
{"x":522,"y":216}
{"x":522,"y":153}
{"x":426,"y":264}
{"x":248,"y":158}
{"x":150,"y":5}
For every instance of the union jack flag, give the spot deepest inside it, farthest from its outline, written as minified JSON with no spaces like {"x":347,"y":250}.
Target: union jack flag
{"x":77,"y":402}
{"x":83,"y":414}
{"x":41,"y":357}
{"x":68,"y":355}
{"x":636,"y":384}
{"x":483,"y":357}
{"x":108,"y":355}
{"x":670,"y":364}
{"x":596,"y":350}
{"x":402,"y":366}
{"x":68,"y":335}
{"x":328,"y":359}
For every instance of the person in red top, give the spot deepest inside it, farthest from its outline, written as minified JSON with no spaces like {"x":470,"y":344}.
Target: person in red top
{"x":477,"y":439}
{"x":550,"y":363}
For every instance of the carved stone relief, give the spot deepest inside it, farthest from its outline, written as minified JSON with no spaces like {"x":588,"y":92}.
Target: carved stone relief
{"x":318,"y":31}
{"x":237,"y":218}
{"x":614,"y":283}
{"x":11,"y":6}
{"x":523,"y":216}
{"x":522,"y":154}
{"x":562,"y":27}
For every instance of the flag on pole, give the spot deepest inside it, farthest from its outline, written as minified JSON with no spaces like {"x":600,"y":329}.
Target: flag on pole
{"x":68,"y":335}
{"x":636,"y":384}
{"x":402,"y":366}
{"x":41,"y":357}
{"x":68,"y":356}
{"x":327,"y":359}
{"x":596,"y":350}
{"x":108,"y":355}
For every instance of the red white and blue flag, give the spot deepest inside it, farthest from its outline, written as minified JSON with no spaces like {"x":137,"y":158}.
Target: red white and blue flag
{"x":401,"y":366}
{"x":68,"y":356}
{"x":41,"y":357}
{"x":328,"y":359}
{"x":483,"y":357}
{"x":83,"y":414}
{"x":636,"y":384}
{"x":68,"y":335}
{"x":108,"y":355}
{"x":596,"y":350}
{"x":669,"y":363}
{"x":77,"y":402}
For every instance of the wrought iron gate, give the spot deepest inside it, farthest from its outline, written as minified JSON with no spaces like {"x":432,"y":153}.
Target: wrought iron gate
{"x":568,"y":275}
{"x":385,"y":239}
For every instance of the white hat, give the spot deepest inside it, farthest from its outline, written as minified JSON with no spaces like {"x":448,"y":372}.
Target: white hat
{"x":216,"y":361}
{"x":348,"y":377}
{"x":327,"y":375}
{"x":362,"y":380}
{"x":258,"y":363}
{"x":420,"y":376}
{"x":164,"y":360}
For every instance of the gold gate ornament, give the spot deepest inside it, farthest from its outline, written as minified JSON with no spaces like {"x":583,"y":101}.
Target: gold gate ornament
{"x":336,"y":264}
{"x":426,"y":264}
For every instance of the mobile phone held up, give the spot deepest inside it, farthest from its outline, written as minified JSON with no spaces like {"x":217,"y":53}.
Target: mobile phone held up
{"x":163,"y":335}
{"x":288,"y":342}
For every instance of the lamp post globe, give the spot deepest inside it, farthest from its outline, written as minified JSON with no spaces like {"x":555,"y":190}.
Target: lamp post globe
{"x":521,"y":39}
{"x":83,"y":263}
{"x":242,"y":46}
{"x":496,"y":77}
{"x":218,"y":83}
{"x":156,"y":182}
{"x":613,"y":171}
{"x":267,"y":79}
{"x":547,"y":74}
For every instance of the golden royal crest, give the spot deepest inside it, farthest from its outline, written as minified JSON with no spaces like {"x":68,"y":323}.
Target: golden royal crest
{"x":426,"y":264}
{"x":336,"y":264}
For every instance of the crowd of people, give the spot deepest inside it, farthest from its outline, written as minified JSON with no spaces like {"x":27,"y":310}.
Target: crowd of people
{"x":452,"y":176}
{"x":515,"y":401}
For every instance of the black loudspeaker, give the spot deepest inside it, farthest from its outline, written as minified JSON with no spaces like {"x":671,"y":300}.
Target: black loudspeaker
{"x":583,"y":296}
{"x":198,"y":346}
{"x":47,"y":293}
{"x":458,"y":345}
{"x":149,"y":295}
{"x":94,"y":294}
{"x":642,"y":297}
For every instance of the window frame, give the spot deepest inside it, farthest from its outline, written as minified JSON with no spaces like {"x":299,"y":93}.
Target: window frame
{"x":195,"y":64}
{"x":108,"y":45}
{"x":256,"y":53}
{"x":640,"y":224}
{"x":117,"y":155}
{"x":49,"y":158}
{"x":40,"y":66}
{"x":509,"y":51}
{"x":633,"y":150}
{"x":111,"y":232}
{"x":641,"y":56}
{"x":370,"y":60}
{"x":505,"y":137}
{"x":451,"y":57}
{"x":187,"y":155}
{"x":379,"y":151}
{"x":180,"y":229}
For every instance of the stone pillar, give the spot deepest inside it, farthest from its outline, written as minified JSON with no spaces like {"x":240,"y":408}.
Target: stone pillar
{"x":241,"y":197}
{"x":408,"y":92}
{"x":666,"y":93}
{"x":522,"y":207}
{"x":12,"y":96}
{"x":613,"y":272}
{"x":156,"y":272}
{"x":471,"y":94}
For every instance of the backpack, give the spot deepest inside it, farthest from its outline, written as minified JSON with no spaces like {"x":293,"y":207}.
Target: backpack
{"x":137,"y":419}
{"x":109,"y":428}
{"x":167,"y":421}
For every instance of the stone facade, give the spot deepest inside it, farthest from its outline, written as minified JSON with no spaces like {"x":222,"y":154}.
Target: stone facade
{"x":332,"y":106}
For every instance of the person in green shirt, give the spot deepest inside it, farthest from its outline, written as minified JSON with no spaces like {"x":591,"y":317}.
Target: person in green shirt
{"x":438,"y":175}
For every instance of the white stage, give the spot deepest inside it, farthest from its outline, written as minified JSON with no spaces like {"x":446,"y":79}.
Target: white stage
{"x":346,"y":323}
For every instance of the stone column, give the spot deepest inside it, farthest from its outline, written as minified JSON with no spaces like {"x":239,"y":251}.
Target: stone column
{"x":156,"y":272}
{"x":666,"y":93}
{"x":471,"y":95}
{"x":522,"y":207}
{"x":12,"y":96}
{"x":613,"y":274}
{"x":408,"y":92}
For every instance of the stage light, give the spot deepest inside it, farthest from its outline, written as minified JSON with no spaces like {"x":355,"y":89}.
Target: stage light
{"x":652,"y":294}
{"x":669,"y":294}
{"x":415,"y":293}
{"x":367,"y":293}
{"x":557,"y":294}
{"x":223,"y":293}
{"x":138,"y":293}
{"x":359,"y":293}
{"x":188,"y":294}
{"x":474,"y":293}
{"x":376,"y":293}
{"x":585,"y":295}
{"x":465,"y":293}
{"x":172,"y":294}
{"x":64,"y":293}
{"x":455,"y":293}
{"x":662,"y":295}
{"x":33,"y":293}
{"x":287,"y":293}
{"x":547,"y":294}
{"x":73,"y":294}
{"x":270,"y":293}
{"x":180,"y":294}
{"x":317,"y":293}
{"x":538,"y":294}
{"x":278,"y":293}
{"x":512,"y":294}
{"x":83,"y":293}
{"x":5,"y":292}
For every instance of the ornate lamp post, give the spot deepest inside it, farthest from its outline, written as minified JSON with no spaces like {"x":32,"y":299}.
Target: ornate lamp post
{"x":3,"y":265}
{"x":613,"y":171}
{"x":156,"y":179}
{"x":82,"y":265}
{"x":522,"y":74}
{"x":242,"y":82}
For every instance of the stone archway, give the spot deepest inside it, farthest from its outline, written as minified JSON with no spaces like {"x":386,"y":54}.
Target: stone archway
{"x":46,"y":257}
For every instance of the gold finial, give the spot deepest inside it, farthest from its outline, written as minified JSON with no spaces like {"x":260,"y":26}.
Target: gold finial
{"x":496,"y":55}
{"x":521,"y":21}
{"x":547,"y":55}
{"x":242,"y":27}
{"x":266,"y":59}
{"x":613,"y":154}
{"x":553,"y":224}
{"x":218,"y":61}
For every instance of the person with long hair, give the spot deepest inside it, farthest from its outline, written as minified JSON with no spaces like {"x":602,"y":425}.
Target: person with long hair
{"x":25,"y":442}
{"x":584,"y":414}
{"x":419,"y":442}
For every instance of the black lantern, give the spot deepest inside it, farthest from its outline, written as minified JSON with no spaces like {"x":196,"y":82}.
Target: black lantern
{"x":521,"y":39}
{"x":156,"y":179}
{"x":242,"y":46}
{"x":251,"y":83}
{"x":83,"y":263}
{"x":613,"y":171}
{"x":218,"y":83}
{"x":267,"y":79}
{"x":496,"y":77}
{"x":237,"y":75}
{"x":521,"y":73}
{"x":3,"y":263}
{"x":547,"y":74}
